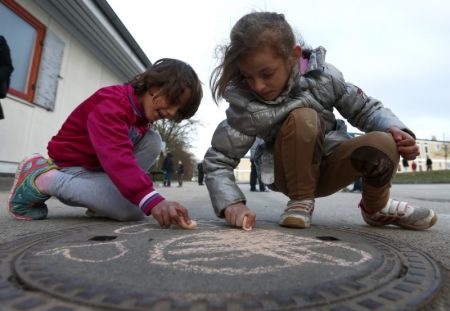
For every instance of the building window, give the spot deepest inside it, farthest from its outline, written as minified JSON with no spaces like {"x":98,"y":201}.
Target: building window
{"x":24,"y":35}
{"x":425,"y":147}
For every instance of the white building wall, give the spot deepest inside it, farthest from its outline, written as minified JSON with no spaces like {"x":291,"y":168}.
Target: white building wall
{"x":28,"y":128}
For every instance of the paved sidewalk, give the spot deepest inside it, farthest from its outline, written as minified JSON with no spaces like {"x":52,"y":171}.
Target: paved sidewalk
{"x":276,"y":268}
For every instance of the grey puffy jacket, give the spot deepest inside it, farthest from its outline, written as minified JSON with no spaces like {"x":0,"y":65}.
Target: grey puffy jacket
{"x":322,"y":87}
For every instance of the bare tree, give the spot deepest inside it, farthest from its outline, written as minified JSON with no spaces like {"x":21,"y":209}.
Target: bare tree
{"x":177,"y":137}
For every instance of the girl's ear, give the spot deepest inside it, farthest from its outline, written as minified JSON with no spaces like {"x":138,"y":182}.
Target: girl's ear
{"x":297,"y":52}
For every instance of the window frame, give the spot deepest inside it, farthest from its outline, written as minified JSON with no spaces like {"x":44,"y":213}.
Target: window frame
{"x":36,"y":53}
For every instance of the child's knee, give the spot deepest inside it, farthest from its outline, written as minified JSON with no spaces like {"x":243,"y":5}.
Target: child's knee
{"x":385,"y":143}
{"x":153,"y":139}
{"x":377,"y":159}
{"x":148,"y":149}
{"x":305,"y":122}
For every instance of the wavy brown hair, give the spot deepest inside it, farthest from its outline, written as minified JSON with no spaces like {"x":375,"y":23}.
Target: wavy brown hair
{"x":172,"y":76}
{"x":253,"y":31}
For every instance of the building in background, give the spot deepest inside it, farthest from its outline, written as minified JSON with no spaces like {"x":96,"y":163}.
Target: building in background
{"x":437,"y":150}
{"x":242,"y":171}
{"x":62,"y":52}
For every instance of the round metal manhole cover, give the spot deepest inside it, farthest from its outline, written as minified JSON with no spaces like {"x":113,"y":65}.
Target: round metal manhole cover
{"x":140,"y":266}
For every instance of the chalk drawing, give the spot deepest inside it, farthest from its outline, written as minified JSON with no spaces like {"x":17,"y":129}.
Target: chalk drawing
{"x":67,"y":251}
{"x":146,"y":227}
{"x":229,"y":252}
{"x":218,"y":252}
{"x":136,"y":229}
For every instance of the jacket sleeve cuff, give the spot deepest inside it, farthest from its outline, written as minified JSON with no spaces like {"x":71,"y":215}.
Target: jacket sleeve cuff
{"x":149,"y":201}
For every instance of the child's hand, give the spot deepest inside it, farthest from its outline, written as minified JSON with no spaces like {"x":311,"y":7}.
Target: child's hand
{"x":406,"y":144}
{"x":236,"y":213}
{"x":169,"y":212}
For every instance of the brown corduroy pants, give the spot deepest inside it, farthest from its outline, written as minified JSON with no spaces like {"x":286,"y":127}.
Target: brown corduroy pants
{"x":303,"y":172}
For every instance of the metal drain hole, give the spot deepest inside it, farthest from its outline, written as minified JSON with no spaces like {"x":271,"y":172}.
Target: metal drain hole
{"x":103,"y":238}
{"x":327,"y":238}
{"x":403,"y":271}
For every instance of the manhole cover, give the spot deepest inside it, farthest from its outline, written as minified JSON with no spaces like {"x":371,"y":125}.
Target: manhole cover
{"x":140,"y":266}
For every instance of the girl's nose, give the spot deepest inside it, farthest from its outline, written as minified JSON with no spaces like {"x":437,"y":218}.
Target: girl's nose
{"x":172,"y":111}
{"x":259,"y":85}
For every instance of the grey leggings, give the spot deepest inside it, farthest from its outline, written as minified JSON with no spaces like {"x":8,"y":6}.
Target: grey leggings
{"x":94,"y":190}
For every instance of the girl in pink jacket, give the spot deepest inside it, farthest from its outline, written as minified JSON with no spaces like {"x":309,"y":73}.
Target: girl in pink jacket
{"x":100,"y":156}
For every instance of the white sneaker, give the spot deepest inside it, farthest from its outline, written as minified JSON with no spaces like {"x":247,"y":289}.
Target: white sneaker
{"x":298,"y":214}
{"x":401,"y":214}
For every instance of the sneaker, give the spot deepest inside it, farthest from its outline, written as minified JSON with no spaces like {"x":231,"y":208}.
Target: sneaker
{"x":401,"y":214}
{"x":298,"y":214}
{"x":25,"y":201}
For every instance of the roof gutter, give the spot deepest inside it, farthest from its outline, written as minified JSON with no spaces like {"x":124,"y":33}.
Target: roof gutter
{"x":117,"y":23}
{"x":97,"y":27}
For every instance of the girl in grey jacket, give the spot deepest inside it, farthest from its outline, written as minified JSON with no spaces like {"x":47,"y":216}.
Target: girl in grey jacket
{"x":285,"y":94}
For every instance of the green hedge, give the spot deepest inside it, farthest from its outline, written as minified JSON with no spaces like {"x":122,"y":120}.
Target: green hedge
{"x":434,"y":177}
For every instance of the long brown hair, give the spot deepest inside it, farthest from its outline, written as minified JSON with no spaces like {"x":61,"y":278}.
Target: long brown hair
{"x":253,"y":31}
{"x":173,"y":77}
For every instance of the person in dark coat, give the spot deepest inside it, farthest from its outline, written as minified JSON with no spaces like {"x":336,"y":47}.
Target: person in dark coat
{"x":405,"y":164}
{"x":6,"y":69}
{"x":429,"y":164}
{"x":180,"y":173}
{"x":201,"y":174}
{"x":167,"y":168}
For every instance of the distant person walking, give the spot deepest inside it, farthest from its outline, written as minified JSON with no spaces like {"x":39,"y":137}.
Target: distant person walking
{"x":167,"y":168}
{"x":405,"y":164}
{"x":429,"y":164}
{"x":413,"y":166}
{"x":254,"y":178}
{"x":6,"y":69}
{"x":201,"y":174}
{"x":357,"y":185}
{"x":180,"y":173}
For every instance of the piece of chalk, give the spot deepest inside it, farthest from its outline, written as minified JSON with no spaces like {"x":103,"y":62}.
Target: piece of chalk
{"x":191,"y":226}
{"x":244,"y":224}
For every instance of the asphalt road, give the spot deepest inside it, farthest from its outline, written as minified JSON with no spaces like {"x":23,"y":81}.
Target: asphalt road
{"x":338,"y":211}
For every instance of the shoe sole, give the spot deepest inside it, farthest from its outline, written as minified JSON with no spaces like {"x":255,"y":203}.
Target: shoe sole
{"x":373,"y":223}
{"x":294,"y":222}
{"x":15,"y":184}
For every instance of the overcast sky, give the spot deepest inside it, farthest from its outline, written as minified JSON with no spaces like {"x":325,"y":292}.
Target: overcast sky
{"x":396,"y":51}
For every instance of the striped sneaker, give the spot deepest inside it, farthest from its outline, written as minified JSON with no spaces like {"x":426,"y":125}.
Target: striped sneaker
{"x":298,"y":214}
{"x":25,"y":201}
{"x":400,"y":214}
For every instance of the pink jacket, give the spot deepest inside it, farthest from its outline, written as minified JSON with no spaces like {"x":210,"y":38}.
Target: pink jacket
{"x":96,"y":136}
